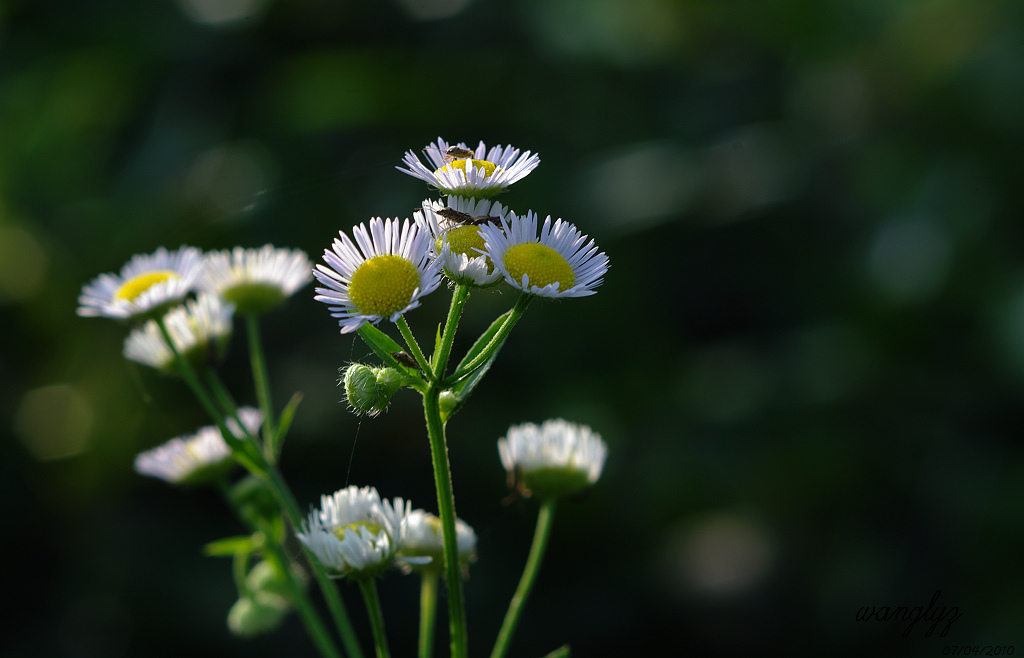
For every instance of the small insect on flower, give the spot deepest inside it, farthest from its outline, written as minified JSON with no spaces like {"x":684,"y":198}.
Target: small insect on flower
{"x":478,"y":173}
{"x":405,"y":359}
{"x":453,"y":153}
{"x":453,"y":215}
{"x":484,"y":219}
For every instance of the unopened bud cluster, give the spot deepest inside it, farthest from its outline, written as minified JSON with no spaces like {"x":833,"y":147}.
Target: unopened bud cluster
{"x":369,"y":389}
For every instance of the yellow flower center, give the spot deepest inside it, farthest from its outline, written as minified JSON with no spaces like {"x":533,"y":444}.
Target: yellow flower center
{"x":383,"y":285}
{"x":339,"y":532}
{"x":132,"y":288}
{"x":465,"y":164}
{"x":541,"y":263}
{"x":465,"y":240}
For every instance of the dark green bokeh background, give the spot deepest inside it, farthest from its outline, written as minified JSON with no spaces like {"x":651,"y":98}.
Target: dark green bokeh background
{"x":807,"y":358}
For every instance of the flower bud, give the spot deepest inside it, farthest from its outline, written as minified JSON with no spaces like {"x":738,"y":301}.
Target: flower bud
{"x":448,"y":404}
{"x":553,"y":460}
{"x":257,"y":614}
{"x":369,"y":390}
{"x":266,"y":577}
{"x":389,"y":381}
{"x":254,"y":500}
{"x":424,"y":537}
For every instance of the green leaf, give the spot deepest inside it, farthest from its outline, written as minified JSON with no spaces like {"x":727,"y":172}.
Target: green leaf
{"x":466,"y":386}
{"x":437,"y":346}
{"x":381,"y":344}
{"x":484,"y":339}
{"x":560,"y":652}
{"x":240,"y":545}
{"x":285,"y":421}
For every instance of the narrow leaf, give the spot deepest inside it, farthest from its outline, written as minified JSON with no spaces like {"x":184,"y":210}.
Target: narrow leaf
{"x":285,"y":422}
{"x":230,"y":546}
{"x":381,"y":344}
{"x":484,"y":339}
{"x":466,"y":386}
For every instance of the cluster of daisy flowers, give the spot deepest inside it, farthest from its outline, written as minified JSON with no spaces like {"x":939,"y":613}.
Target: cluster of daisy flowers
{"x":181,"y":306}
{"x":356,"y":534}
{"x":183,"y":302}
{"x":389,"y":265}
{"x":159,"y":286}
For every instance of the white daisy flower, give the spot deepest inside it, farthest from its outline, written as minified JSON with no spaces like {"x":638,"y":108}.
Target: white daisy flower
{"x":457,"y":243}
{"x":200,"y":330}
{"x":199,"y":457}
{"x":424,"y":537}
{"x":556,"y":459}
{"x":559,"y":264}
{"x":146,"y":284}
{"x":483,"y":174}
{"x":385,"y":276}
{"x":355,"y":533}
{"x":255,"y":280}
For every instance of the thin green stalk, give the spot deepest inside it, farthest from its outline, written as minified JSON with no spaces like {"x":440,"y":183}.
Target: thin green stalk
{"x":369,"y":588}
{"x":545,"y":520}
{"x":496,"y":341}
{"x":446,"y":511}
{"x":227,"y":403}
{"x":428,"y":611}
{"x":262,"y":383}
{"x":444,"y":350}
{"x":242,"y":451}
{"x":286,"y":500}
{"x":310,"y":619}
{"x":414,"y":347}
{"x":275,"y":552}
{"x":239,"y":569}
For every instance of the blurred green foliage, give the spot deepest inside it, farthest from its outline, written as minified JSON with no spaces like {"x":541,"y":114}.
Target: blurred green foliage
{"x":807,"y":357}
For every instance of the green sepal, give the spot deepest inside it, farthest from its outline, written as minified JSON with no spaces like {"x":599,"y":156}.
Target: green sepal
{"x":560,"y":652}
{"x":230,"y":546}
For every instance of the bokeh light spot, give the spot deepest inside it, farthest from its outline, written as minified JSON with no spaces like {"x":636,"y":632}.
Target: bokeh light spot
{"x":54,"y":422}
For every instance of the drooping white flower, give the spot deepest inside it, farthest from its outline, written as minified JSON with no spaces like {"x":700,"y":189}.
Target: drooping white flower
{"x":199,"y":457}
{"x":455,"y":227}
{"x":355,"y":533}
{"x":483,"y":174}
{"x":384,"y":276}
{"x":560,"y":263}
{"x":255,"y":280}
{"x":200,"y":330}
{"x":146,"y":284}
{"x":555,"y":459}
{"x":424,"y":537}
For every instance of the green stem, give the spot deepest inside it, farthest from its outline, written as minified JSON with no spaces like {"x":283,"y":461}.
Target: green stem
{"x":446,"y":511}
{"x":414,"y":347}
{"x":245,"y":453}
{"x":310,"y":619}
{"x":428,"y":611}
{"x":496,"y":341}
{"x":369,"y":588}
{"x":545,"y":520}
{"x":444,"y":350}
{"x":239,"y":569}
{"x":227,"y":403}
{"x":330,"y":593}
{"x":262,"y":384}
{"x":275,"y":552}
